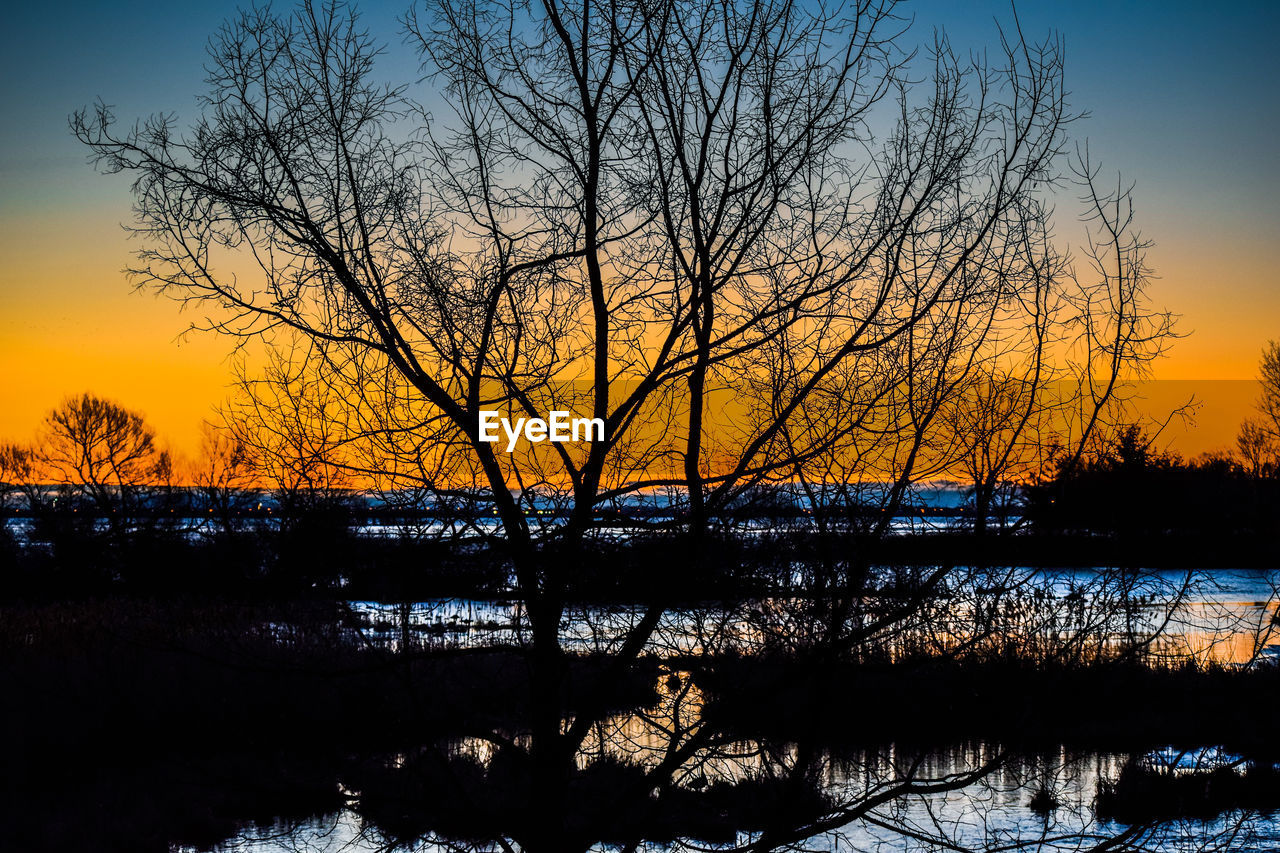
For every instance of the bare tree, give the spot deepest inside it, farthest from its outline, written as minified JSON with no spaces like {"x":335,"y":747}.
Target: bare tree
{"x":97,"y":450}
{"x":1257,"y":447}
{"x":20,"y":477}
{"x":1269,"y":376}
{"x":1258,"y":442}
{"x":668,"y":229}
{"x":992,"y":419}
{"x":632,"y":208}
{"x":222,"y":476}
{"x":1118,"y":334}
{"x":284,"y":431}
{"x":1004,"y":412}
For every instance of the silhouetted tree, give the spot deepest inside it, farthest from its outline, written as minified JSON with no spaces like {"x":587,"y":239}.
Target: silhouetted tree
{"x":1259,"y":439}
{"x":97,"y":451}
{"x":1269,"y":376}
{"x":1118,"y":335}
{"x":1129,"y":487}
{"x":223,"y":477}
{"x":19,"y":478}
{"x":286,"y":429}
{"x":991,"y":421}
{"x":668,"y":235}
{"x":1258,"y":448}
{"x":633,"y":207}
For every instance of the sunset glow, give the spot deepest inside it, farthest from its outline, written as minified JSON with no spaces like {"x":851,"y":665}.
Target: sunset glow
{"x":1196,"y":136}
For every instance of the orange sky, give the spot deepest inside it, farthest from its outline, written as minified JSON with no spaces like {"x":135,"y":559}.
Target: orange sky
{"x":70,"y":323}
{"x":1181,"y":102}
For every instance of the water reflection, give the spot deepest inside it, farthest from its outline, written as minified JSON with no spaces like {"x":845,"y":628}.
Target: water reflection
{"x":686,"y":769}
{"x":1227,"y":616}
{"x":992,"y":811}
{"x":913,"y":709}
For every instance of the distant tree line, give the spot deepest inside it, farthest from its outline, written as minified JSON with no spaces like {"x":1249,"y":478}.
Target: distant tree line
{"x":277,"y":451}
{"x":270,"y":495}
{"x":1129,"y":487}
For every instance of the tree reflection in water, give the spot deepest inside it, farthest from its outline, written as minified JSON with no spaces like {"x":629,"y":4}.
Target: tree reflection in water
{"x":764,"y":725}
{"x":909,"y":710}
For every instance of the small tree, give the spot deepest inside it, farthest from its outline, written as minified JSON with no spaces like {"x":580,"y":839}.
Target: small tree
{"x":1259,"y":439}
{"x":223,"y":475}
{"x":1269,"y":402}
{"x":288,"y":430}
{"x":19,"y":477}
{"x":1257,"y":448}
{"x":1269,"y":405}
{"x":100,"y":453}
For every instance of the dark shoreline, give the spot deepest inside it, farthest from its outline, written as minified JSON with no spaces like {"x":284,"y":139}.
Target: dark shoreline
{"x":340,"y":564}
